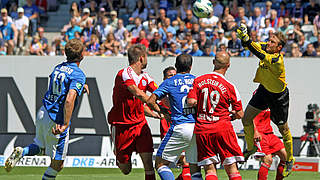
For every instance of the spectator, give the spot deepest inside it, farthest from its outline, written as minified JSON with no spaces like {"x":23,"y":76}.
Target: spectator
{"x":113,"y":19}
{"x":86,"y":33}
{"x":195,"y":31}
{"x":274,"y":20}
{"x":141,"y":10}
{"x":170,"y":39}
{"x":138,"y":27}
{"x":22,"y":24}
{"x":195,"y":50}
{"x":248,"y":8}
{"x":93,"y":9}
{"x":32,"y":12}
{"x":266,"y":12}
{"x":203,"y":42}
{"x":295,"y":51}
{"x":285,"y":28}
{"x":70,"y":34}
{"x":181,"y":33}
{"x":297,"y":12}
{"x":86,"y":19}
{"x":13,"y":10}
{"x":50,"y":51}
{"x":208,"y":23}
{"x":264,"y":32}
{"x":221,"y":39}
{"x":102,"y":51}
{"x":257,"y":20}
{"x":104,"y":29}
{"x":241,"y":15}
{"x":9,"y":33}
{"x":311,"y":11}
{"x":93,"y":47}
{"x":310,"y":51}
{"x":118,"y":32}
{"x":317,"y":43}
{"x":155,"y":45}
{"x":217,"y":8}
{"x":173,"y":50}
{"x":234,"y":45}
{"x":108,"y":6}
{"x":190,"y":19}
{"x":208,"y":51}
{"x":222,"y":48}
{"x":185,"y":5}
{"x":187,"y":44}
{"x":42,"y":6}
{"x":282,"y":11}
{"x":166,"y":27}
{"x":302,"y":43}
{"x":254,"y":36}
{"x":162,"y":16}
{"x":4,"y":13}
{"x":74,"y":9}
{"x":125,"y":42}
{"x":100,"y":16}
{"x":229,"y":26}
{"x":151,"y":29}
{"x":141,"y":39}
{"x":42,"y":39}
{"x":226,"y":14}
{"x":111,"y":45}
{"x":36,"y":47}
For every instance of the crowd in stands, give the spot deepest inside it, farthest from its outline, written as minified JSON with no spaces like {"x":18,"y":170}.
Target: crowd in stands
{"x":165,"y":27}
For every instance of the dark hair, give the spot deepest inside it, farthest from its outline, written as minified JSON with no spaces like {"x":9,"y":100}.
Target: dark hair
{"x":73,"y":50}
{"x":183,"y":63}
{"x":71,"y":10}
{"x":168,"y":69}
{"x":135,"y":52}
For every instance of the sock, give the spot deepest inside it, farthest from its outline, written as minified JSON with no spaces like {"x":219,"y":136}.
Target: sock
{"x":186,"y":175}
{"x":196,"y":176}
{"x":149,"y":175}
{"x":280,"y":170}
{"x":211,"y":176}
{"x":235,"y":176}
{"x":287,"y":141}
{"x":249,"y":131}
{"x":31,"y":150}
{"x":49,"y":174}
{"x":165,"y":173}
{"x":263,"y":171}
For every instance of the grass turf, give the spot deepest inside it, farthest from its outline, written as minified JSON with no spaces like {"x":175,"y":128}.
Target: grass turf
{"x":33,"y":173}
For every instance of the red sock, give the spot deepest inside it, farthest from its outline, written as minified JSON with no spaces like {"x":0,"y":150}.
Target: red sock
{"x":149,"y":175}
{"x":186,"y":175}
{"x":211,"y":176}
{"x":235,"y":176}
{"x":263,"y":171}
{"x":280,"y":170}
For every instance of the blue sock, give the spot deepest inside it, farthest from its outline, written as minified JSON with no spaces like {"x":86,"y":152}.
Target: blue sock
{"x":31,"y":150}
{"x":165,"y":173}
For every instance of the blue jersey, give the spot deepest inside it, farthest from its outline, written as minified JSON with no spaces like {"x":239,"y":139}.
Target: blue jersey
{"x":177,"y":87}
{"x":64,"y":77}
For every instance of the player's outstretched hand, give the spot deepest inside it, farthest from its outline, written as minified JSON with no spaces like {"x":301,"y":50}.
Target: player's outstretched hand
{"x":86,"y":89}
{"x":59,"y":129}
{"x":242,"y":32}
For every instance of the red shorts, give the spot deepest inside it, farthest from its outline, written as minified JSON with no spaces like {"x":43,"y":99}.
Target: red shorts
{"x":164,"y":127}
{"x":270,"y":143}
{"x":224,"y":143}
{"x":129,"y":138}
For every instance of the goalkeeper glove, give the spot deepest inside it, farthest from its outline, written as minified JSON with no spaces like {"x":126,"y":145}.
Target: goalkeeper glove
{"x":242,"y":33}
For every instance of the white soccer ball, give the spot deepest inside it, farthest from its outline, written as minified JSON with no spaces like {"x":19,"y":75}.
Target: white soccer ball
{"x":202,"y":8}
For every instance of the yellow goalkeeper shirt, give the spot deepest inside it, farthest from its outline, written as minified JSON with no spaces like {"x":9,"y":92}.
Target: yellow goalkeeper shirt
{"x":271,"y":71}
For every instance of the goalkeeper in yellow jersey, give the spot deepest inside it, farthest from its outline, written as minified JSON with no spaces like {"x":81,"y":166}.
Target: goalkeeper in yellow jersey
{"x":272,"y":92}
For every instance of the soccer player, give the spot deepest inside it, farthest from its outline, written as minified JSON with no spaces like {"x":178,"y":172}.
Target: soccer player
{"x":67,"y":82}
{"x":272,"y":92}
{"x":180,"y":135}
{"x":268,"y":145}
{"x":212,"y":94}
{"x":130,"y":130}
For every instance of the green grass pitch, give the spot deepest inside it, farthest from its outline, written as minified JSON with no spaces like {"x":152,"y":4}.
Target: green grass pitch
{"x":35,"y":173}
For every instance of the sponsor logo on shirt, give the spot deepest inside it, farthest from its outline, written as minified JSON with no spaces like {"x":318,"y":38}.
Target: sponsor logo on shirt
{"x":79,"y":85}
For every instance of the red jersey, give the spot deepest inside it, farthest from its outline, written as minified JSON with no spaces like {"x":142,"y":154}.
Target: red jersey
{"x":262,"y":122}
{"x":127,"y":109}
{"x":143,"y":41}
{"x":214,"y":94}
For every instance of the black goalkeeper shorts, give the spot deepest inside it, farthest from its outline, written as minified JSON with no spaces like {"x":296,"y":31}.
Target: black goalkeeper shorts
{"x":277,"y":102}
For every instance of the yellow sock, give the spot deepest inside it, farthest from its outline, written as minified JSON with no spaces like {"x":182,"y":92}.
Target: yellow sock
{"x":287,"y":141}
{"x":248,"y":135}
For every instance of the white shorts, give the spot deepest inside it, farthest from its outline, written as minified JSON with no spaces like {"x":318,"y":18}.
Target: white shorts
{"x":56,"y":146}
{"x":179,"y":138}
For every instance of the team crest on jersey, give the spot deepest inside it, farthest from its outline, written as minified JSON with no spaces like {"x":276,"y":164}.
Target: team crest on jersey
{"x":79,"y":85}
{"x":144,"y":82}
